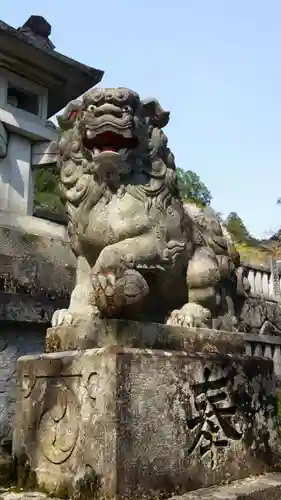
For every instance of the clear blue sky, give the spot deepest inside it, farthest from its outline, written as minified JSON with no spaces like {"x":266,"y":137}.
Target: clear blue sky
{"x":215,"y":64}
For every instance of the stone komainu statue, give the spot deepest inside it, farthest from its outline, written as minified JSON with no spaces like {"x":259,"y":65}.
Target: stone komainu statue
{"x":141,"y":254}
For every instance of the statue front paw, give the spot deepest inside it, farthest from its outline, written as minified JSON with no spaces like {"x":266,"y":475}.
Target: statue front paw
{"x":191,"y":316}
{"x":115,"y":291}
{"x":62,"y":316}
{"x":69,"y":317}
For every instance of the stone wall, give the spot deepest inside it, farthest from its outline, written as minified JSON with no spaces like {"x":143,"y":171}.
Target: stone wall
{"x":16,"y":339}
{"x":36,"y":277}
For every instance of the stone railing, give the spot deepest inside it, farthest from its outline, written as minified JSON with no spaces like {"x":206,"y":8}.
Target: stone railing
{"x":261,"y":280}
{"x":267,"y":346}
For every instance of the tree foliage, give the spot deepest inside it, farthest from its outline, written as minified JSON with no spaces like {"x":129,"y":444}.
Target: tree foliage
{"x":46,"y":190}
{"x":192,"y":189}
{"x":237,"y":228}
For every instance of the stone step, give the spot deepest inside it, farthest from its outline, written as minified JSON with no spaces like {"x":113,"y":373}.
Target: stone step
{"x":23,"y":495}
{"x":264,"y":487}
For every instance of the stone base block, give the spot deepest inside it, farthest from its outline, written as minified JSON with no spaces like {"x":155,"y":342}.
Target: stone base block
{"x":265,"y":487}
{"x":125,"y":422}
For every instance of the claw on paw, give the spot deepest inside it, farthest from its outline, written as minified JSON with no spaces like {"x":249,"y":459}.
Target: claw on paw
{"x":68,"y":317}
{"x":62,"y":316}
{"x":190,"y":316}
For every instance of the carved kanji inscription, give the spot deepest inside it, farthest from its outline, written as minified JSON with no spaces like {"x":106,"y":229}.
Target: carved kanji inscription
{"x":213,"y":417}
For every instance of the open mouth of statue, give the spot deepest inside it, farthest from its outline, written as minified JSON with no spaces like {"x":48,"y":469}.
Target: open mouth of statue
{"x":109,"y":141}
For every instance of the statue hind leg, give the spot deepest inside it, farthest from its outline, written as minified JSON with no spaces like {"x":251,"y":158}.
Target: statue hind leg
{"x":203,"y":276}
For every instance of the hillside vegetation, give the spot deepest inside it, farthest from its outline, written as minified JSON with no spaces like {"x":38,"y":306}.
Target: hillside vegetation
{"x":254,"y":255}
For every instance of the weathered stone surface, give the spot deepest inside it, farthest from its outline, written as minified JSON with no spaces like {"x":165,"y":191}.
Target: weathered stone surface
{"x":265,"y":487}
{"x":36,"y":275}
{"x":15,"y":341}
{"x":260,"y":316}
{"x":126,"y":333}
{"x":140,"y":422}
{"x":6,"y":469}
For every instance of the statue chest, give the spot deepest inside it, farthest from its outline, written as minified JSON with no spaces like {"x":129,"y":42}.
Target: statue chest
{"x":117,"y":220}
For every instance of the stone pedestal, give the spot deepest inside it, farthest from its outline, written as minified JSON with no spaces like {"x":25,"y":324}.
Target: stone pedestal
{"x":126,"y":333}
{"x":135,"y":422}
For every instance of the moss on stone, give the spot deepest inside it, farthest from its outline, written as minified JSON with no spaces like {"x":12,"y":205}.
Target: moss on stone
{"x":29,"y":238}
{"x":26,"y":478}
{"x":88,"y":485}
{"x":61,"y":491}
{"x":52,"y":343}
{"x":7,"y":476}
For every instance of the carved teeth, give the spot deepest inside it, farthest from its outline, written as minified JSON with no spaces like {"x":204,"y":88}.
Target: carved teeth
{"x":97,"y":151}
{"x":111,"y":278}
{"x":102,"y":280}
{"x":153,"y":266}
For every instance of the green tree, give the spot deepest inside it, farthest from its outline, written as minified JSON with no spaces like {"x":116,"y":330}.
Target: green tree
{"x":237,"y":228}
{"x":192,"y":189}
{"x":46,"y":190}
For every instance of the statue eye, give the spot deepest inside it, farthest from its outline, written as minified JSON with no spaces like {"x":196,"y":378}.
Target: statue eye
{"x":91,"y":108}
{"x":128,"y":108}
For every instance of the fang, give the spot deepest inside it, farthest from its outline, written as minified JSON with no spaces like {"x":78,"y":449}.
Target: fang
{"x":90,"y":134}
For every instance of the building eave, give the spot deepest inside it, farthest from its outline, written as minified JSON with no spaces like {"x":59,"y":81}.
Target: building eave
{"x":65,"y":78}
